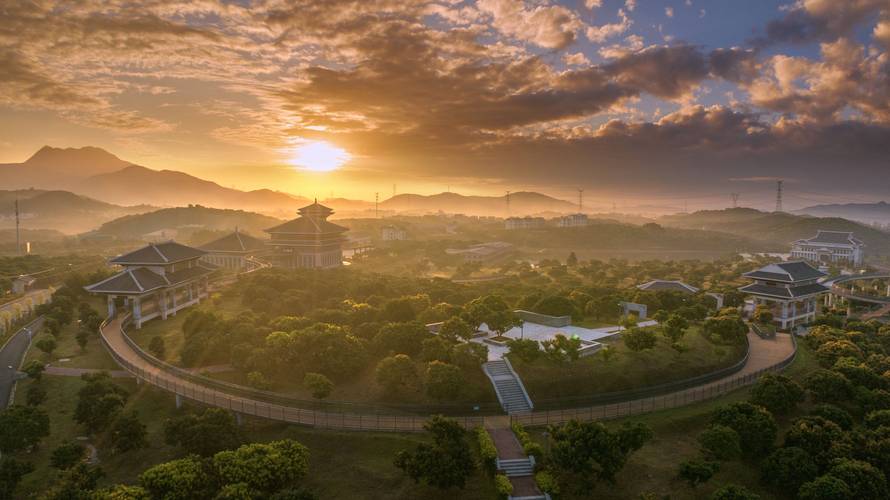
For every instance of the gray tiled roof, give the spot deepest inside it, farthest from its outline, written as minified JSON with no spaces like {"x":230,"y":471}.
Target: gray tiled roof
{"x":669,"y":285}
{"x":307,"y":225}
{"x":236,"y":242}
{"x":782,"y":292}
{"x":787,"y":272}
{"x":159,"y":254}
{"x":141,"y":280}
{"x":834,"y":237}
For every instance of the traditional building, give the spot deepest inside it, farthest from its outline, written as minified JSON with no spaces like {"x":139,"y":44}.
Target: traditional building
{"x":667,"y":285}
{"x":830,"y":247}
{"x":156,"y":281}
{"x":309,"y":241}
{"x":513,"y":223}
{"x":790,"y":289}
{"x":234,"y":251}
{"x":393,"y":233}
{"x":573,"y":220}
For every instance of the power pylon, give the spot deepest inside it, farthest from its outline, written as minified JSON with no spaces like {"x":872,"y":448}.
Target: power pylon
{"x":735,"y":199}
{"x":779,"y":195}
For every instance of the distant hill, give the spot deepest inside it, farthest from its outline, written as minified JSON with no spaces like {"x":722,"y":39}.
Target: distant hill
{"x":521,"y":203}
{"x":863,"y":212}
{"x":182,"y":222}
{"x":170,"y":187}
{"x":778,"y":229}
{"x":56,"y":168}
{"x":59,"y":210}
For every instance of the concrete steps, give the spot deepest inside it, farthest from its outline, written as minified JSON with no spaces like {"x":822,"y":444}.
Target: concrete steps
{"x":517,"y":467}
{"x":508,"y":387}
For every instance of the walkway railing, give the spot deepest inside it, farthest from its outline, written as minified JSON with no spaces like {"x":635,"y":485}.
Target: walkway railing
{"x":649,"y":404}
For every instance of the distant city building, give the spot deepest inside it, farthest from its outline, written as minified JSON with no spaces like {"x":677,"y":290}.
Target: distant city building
{"x":157,"y":281}
{"x":790,"y":289}
{"x":667,"y":285}
{"x":356,"y":244}
{"x":830,"y":247}
{"x":483,"y":252}
{"x":234,"y":251}
{"x":573,"y":220}
{"x":309,"y":241}
{"x":393,"y":233}
{"x":22,"y":284}
{"x":524,"y":222}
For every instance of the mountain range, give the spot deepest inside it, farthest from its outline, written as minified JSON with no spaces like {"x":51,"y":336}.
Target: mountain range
{"x":59,"y":210}
{"x":521,"y":203}
{"x":868,"y":213}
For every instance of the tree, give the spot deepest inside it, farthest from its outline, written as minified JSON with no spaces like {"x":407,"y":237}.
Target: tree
{"x":99,"y":401}
{"x":763,"y":315}
{"x":52,"y":326}
{"x":830,"y":352}
{"x":82,"y":337}
{"x":720,"y":442}
{"x":11,"y":473}
{"x":828,"y":386}
{"x":265,"y":468}
{"x":555,"y":305}
{"x":562,"y":349}
{"x":319,"y":385}
{"x":696,"y":472}
{"x":455,"y":328}
{"x":777,"y":393}
{"x":210,"y":432}
{"x":396,"y":373}
{"x":446,"y":462}
{"x":47,"y":345}
{"x":572,"y":260}
{"x":443,"y":381}
{"x":22,"y":428}
{"x":436,"y":349}
{"x":788,"y":468}
{"x":822,"y":439}
{"x":755,"y":425}
{"x":157,"y":347}
{"x":733,"y":492}
{"x":527,"y":350}
{"x":34,"y":369}
{"x":864,"y":480}
{"x":183,"y":479}
{"x":585,"y":452}
{"x":258,"y":381}
{"x":675,"y":327}
{"x":825,"y":487}
{"x":35,"y":395}
{"x":78,"y":482}
{"x":67,"y":455}
{"x":639,"y":339}
{"x":834,"y":414}
{"x":128,"y":433}
{"x":400,"y":338}
{"x":121,"y":492}
{"x":725,"y":329}
{"x":469,"y":355}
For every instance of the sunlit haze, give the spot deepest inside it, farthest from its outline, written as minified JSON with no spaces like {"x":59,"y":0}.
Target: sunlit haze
{"x":319,"y":156}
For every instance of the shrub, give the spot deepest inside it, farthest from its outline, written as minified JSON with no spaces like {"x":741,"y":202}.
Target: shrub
{"x":67,"y":455}
{"x":639,"y":339}
{"x":488,"y":453}
{"x":879,"y":418}
{"x":835,"y":414}
{"x":503,"y":485}
{"x":755,"y":425}
{"x":527,"y":350}
{"x":319,"y":385}
{"x":826,"y":386}
{"x":156,"y":347}
{"x":865,"y":481}
{"x":788,"y":468}
{"x":733,"y":492}
{"x":696,"y":472}
{"x":257,"y":380}
{"x":396,"y":373}
{"x":529,"y":446}
{"x":35,"y":395}
{"x":546,"y":482}
{"x":826,"y":487}
{"x":443,"y":381}
{"x":822,"y":439}
{"x":720,"y":442}
{"x":777,"y":393}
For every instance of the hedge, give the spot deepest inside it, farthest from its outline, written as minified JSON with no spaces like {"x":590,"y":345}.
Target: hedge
{"x":488,"y":453}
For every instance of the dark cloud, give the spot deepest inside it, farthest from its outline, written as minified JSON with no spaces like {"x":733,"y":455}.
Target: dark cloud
{"x":735,"y":65}
{"x":668,"y":72}
{"x":816,"y":20}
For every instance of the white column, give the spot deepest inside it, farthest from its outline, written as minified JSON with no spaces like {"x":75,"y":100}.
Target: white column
{"x":111,"y":310}
{"x":162,"y":299}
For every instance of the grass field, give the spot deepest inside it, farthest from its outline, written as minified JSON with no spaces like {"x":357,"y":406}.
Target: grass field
{"x":343,"y":464}
{"x":545,"y":379}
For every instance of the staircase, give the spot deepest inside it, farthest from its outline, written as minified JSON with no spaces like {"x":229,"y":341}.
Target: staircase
{"x":517,"y":467}
{"x":508,"y":387}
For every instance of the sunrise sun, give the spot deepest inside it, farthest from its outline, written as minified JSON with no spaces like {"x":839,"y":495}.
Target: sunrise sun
{"x":319,"y":156}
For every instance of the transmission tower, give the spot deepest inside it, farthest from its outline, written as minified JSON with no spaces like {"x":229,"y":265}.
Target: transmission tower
{"x":779,"y":195}
{"x":508,"y":203}
{"x":18,"y":240}
{"x":735,"y":199}
{"x":581,"y":201}
{"x":376,"y":205}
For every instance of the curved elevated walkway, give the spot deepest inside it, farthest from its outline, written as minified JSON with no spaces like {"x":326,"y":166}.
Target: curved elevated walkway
{"x":765,"y":355}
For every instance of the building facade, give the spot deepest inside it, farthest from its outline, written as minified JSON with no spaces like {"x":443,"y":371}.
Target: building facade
{"x":513,"y":223}
{"x":573,"y":220}
{"x":234,"y":251}
{"x":393,"y":233}
{"x":790,"y":289}
{"x":309,"y":241}
{"x":156,"y":281}
{"x":830,"y":247}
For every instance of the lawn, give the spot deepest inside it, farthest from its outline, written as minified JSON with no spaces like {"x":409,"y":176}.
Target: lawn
{"x":93,"y":355}
{"x":545,"y":379}
{"x":653,"y":468}
{"x":343,"y":464}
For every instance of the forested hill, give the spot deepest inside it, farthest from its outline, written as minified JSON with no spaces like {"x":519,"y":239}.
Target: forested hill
{"x":777,"y":229}
{"x":191,"y":219}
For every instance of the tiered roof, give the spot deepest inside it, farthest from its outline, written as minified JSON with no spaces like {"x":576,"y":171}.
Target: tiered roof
{"x":140,"y":280}
{"x":158,"y":254}
{"x":236,"y":242}
{"x":312,"y":221}
{"x":799,"y":279}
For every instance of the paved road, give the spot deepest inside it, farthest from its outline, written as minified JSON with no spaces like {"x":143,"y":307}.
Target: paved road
{"x":11,"y":355}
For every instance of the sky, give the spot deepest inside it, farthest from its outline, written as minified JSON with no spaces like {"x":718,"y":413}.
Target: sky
{"x":667,"y":103}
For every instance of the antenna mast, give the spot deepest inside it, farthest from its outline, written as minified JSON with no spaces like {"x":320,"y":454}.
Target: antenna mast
{"x":18,"y":240}
{"x":376,"y":205}
{"x":779,"y":195}
{"x":735,"y":199}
